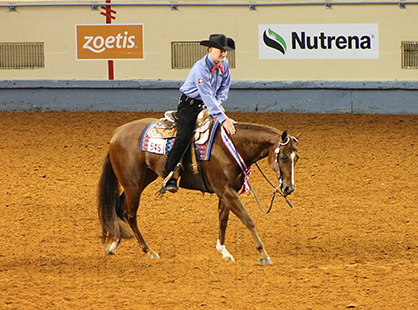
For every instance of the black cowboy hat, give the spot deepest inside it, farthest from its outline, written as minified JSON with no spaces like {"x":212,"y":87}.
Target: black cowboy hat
{"x":219,"y":41}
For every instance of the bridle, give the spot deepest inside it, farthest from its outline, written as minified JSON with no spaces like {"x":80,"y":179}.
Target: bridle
{"x":275,"y":189}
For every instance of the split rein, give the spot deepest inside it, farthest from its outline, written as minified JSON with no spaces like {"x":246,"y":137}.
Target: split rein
{"x":226,"y":138}
{"x":275,"y":190}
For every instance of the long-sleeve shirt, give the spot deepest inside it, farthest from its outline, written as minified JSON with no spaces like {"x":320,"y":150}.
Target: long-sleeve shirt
{"x":211,"y":88}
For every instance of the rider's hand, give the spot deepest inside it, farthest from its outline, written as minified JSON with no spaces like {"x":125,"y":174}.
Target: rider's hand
{"x":229,"y":125}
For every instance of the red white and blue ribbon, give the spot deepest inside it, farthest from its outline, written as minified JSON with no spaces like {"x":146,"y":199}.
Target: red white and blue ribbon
{"x":231,"y":148}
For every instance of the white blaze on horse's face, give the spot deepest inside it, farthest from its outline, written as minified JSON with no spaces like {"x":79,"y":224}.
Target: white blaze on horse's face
{"x":285,"y":161}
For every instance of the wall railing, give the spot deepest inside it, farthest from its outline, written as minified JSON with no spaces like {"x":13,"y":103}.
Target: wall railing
{"x":174,"y":6}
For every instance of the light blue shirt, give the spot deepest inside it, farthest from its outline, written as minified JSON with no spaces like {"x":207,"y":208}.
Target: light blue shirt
{"x":211,"y":88}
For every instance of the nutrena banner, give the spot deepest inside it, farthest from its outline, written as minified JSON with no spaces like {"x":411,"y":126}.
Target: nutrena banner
{"x":319,"y":41}
{"x":109,"y":42}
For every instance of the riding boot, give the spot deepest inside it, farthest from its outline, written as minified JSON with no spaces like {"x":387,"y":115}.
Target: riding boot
{"x":171,"y":186}
{"x":170,"y":179}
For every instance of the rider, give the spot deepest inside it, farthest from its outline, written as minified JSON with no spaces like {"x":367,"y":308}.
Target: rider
{"x":206,"y":85}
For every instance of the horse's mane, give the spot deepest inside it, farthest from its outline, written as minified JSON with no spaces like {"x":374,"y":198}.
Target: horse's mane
{"x":262,"y":129}
{"x":257,"y":127}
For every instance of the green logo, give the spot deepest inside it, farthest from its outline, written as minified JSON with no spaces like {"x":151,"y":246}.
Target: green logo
{"x":275,"y":41}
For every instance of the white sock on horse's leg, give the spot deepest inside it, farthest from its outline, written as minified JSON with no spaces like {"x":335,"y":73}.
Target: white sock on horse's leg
{"x":225,"y":254}
{"x":111,"y":249}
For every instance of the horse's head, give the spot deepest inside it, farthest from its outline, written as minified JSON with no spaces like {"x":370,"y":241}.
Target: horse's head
{"x":282,"y":159}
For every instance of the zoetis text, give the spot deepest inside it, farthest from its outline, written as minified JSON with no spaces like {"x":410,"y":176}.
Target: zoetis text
{"x":99,"y":44}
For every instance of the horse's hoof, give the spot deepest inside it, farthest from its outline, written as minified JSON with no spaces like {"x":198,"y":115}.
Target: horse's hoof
{"x":154,"y":256}
{"x":228,"y":258}
{"x":108,"y":251}
{"x":266,"y":261}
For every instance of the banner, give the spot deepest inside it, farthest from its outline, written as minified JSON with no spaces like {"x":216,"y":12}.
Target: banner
{"x":319,"y":41}
{"x":109,"y":42}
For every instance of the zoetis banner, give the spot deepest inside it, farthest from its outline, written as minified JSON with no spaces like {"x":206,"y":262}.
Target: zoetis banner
{"x":319,"y":41}
{"x":109,"y":42}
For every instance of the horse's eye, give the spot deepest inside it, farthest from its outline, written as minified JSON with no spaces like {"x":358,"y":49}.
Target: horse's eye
{"x":282,"y":157}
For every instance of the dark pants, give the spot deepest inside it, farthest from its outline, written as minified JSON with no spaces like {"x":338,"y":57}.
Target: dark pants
{"x":187,"y":112}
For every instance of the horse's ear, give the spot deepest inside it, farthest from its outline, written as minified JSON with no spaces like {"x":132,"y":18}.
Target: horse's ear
{"x":298,"y":136}
{"x":284,"y":135}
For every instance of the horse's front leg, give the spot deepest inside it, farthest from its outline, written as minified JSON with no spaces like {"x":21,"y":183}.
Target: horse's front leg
{"x":231,"y":199}
{"x":223,"y":222}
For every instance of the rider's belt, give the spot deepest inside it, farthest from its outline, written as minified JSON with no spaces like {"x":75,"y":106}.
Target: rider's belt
{"x":192,"y":101}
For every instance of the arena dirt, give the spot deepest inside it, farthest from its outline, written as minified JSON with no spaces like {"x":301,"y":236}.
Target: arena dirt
{"x":350,"y":242}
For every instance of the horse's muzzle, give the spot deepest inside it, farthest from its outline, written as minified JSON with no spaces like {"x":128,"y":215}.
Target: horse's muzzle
{"x":287,"y":190}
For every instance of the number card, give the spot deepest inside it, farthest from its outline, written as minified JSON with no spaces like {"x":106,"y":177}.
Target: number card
{"x":157,"y":146}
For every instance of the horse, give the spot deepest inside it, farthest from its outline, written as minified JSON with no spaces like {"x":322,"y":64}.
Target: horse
{"x":128,"y":170}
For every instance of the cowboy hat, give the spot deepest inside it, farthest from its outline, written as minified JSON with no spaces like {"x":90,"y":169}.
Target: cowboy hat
{"x":219,"y":41}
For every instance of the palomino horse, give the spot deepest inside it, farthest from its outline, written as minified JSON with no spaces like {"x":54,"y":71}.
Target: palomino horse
{"x":127,"y":170}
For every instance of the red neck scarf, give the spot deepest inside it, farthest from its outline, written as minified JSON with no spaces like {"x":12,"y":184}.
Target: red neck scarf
{"x":220,"y":67}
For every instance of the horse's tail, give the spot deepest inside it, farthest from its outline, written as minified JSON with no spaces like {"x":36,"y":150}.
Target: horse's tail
{"x":110,"y":205}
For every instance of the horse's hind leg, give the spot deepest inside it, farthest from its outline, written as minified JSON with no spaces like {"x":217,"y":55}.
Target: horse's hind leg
{"x":132,"y":197}
{"x":223,"y":222}
{"x":111,"y":249}
{"x":130,"y":215}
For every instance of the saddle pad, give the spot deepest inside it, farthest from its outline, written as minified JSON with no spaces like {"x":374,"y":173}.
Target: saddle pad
{"x":163,"y":146}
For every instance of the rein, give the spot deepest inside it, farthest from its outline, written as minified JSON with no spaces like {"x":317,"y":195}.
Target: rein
{"x":275,"y":190}
{"x":226,"y":138}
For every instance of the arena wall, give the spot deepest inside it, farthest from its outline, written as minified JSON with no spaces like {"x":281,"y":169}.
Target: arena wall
{"x":353,"y":82}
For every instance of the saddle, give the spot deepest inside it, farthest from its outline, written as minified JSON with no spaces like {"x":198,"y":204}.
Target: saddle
{"x":166,"y":127}
{"x":165,"y":130}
